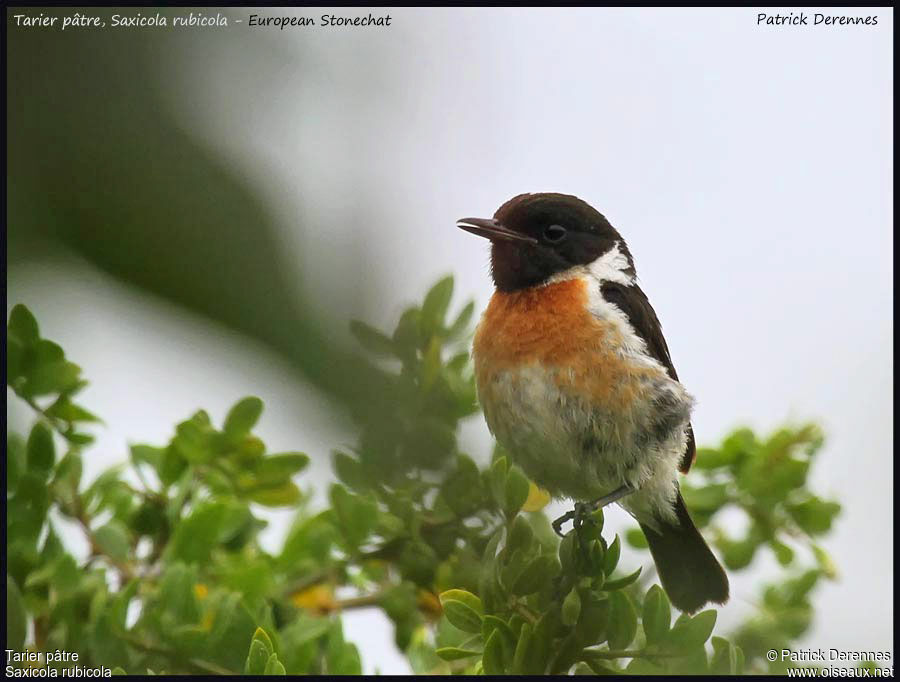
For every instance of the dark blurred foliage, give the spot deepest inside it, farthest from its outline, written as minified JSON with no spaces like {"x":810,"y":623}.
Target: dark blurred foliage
{"x":97,"y":165}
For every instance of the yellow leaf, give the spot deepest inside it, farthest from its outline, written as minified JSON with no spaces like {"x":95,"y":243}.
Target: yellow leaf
{"x":537,"y":498}
{"x":319,"y":598}
{"x":201,"y":591}
{"x":430,"y":604}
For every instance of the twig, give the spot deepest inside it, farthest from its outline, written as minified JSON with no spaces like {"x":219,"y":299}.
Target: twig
{"x":611,"y":654}
{"x":124,"y":569}
{"x":361,"y":602}
{"x":53,"y":421}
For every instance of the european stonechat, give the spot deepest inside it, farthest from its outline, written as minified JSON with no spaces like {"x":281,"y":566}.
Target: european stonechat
{"x":576,"y":382}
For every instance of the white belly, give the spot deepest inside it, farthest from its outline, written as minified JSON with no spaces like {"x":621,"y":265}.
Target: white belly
{"x":575,"y":449}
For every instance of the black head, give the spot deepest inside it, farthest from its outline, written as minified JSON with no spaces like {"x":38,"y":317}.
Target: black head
{"x":535,"y":236}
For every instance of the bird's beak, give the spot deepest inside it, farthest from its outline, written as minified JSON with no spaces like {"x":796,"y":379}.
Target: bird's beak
{"x":493,"y":230}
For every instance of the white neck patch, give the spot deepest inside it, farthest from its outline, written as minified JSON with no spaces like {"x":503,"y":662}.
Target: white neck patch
{"x":612,"y":266}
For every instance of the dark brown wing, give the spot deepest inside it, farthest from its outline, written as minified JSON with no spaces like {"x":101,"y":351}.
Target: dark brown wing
{"x":633,"y":302}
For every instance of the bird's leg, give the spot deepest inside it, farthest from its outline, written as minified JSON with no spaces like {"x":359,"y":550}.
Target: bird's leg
{"x":583,"y":509}
{"x":557,"y":525}
{"x":614,"y":496}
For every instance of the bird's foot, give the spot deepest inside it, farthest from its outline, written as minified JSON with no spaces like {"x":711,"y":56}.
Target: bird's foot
{"x":581,"y":513}
{"x":583,"y":510}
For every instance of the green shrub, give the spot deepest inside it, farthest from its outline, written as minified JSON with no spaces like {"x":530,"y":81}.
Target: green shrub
{"x":459,"y":557}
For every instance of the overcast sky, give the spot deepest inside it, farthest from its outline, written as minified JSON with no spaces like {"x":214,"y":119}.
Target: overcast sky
{"x":748,"y":167}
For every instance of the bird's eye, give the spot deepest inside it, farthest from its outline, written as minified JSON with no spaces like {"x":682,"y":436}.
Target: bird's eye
{"x":554,"y":233}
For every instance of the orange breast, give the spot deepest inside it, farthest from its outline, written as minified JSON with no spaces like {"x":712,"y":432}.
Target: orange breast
{"x":551,"y":326}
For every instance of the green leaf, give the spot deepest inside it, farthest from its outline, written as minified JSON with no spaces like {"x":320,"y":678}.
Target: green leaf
{"x":710,"y":458}
{"x":825,"y":563}
{"x":536,"y":574}
{"x":406,"y":335}
{"x":40,"y":448}
{"x":497,"y":478}
{"x":61,"y":572}
{"x":462,"y":490}
{"x":567,"y":553}
{"x":738,"y":554}
{"x":594,"y":621}
{"x":783,"y":553}
{"x":611,"y":558}
{"x":491,"y":624}
{"x":285,"y":495}
{"x":274,"y":666}
{"x":524,"y":645}
{"x":356,"y":515}
{"x":492,"y":659}
{"x":740,"y":444}
{"x":67,"y":478}
{"x":118,"y":608}
{"x":461,"y":323}
{"x":727,"y":658}
{"x":55,"y":376}
{"x":571,"y":608}
{"x":372,"y":340}
{"x":22,"y":325}
{"x":349,"y":471}
{"x":15,"y":460}
{"x":641,"y":666}
{"x":194,"y":439}
{"x":622,"y":621}
{"x":635,"y":538}
{"x":147,"y":454}
{"x":69,"y":470}
{"x":434,"y":308}
{"x":430,"y":443}
{"x":657,"y":615}
{"x":708,"y":498}
{"x":467,"y":598}
{"x":15,"y":362}
{"x":516,"y":491}
{"x":417,"y":562}
{"x":431,"y":363}
{"x":172,"y":466}
{"x":242,"y":417}
{"x":612,"y":585}
{"x":566,"y":653}
{"x":814,"y":515}
{"x":68,"y":411}
{"x":16,"y":618}
{"x":520,"y":536}
{"x":451,"y":653}
{"x":789,"y":475}
{"x":690,"y":632}
{"x":462,"y":616}
{"x":77,"y":438}
{"x":276,"y":468}
{"x":257,"y":658}
{"x":113,"y":541}
{"x":195,"y":536}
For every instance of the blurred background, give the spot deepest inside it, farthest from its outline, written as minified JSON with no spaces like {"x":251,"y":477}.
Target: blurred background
{"x":194,"y":214}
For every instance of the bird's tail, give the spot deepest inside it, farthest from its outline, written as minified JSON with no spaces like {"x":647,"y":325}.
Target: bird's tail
{"x":689,"y":572}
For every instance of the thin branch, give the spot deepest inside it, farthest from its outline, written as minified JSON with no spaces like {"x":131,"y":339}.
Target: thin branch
{"x":54,"y":422}
{"x":360,"y":602}
{"x":611,"y":654}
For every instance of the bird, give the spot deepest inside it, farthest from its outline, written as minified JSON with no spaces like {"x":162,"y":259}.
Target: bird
{"x":576,"y":382}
